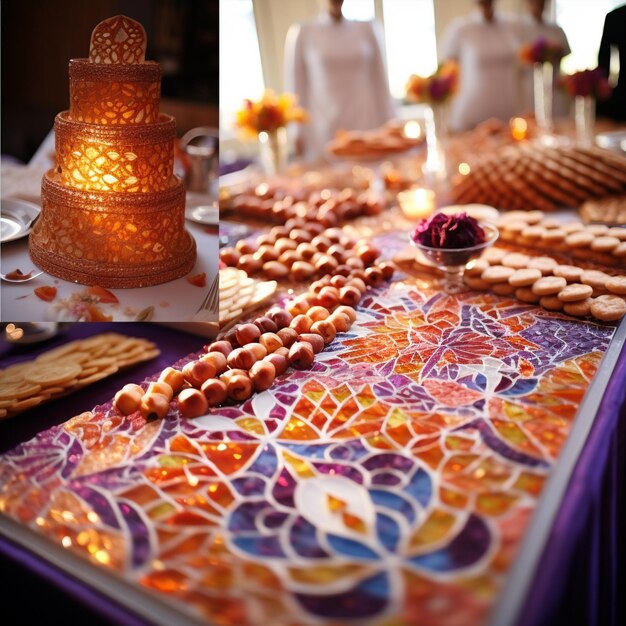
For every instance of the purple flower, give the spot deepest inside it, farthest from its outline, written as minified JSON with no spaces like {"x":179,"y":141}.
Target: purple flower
{"x":449,"y":231}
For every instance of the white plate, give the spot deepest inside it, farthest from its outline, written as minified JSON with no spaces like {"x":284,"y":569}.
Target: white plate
{"x":16,"y":218}
{"x":201,"y":209}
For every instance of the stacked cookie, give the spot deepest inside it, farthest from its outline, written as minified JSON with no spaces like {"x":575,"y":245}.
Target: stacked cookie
{"x":68,"y":368}
{"x":240,"y":294}
{"x":556,"y":287}
{"x":535,"y":177}
{"x":597,"y":243}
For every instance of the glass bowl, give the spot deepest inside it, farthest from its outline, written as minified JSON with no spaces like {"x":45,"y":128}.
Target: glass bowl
{"x":452,"y":261}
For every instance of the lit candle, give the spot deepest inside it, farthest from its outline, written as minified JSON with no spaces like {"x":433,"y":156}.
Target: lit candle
{"x":417,"y":203}
{"x":519,"y":128}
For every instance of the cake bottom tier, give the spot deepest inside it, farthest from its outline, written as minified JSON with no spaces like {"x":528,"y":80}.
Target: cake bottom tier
{"x":112,"y":240}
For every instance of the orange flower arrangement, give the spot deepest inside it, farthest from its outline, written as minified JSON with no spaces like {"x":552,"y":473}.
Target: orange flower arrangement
{"x":268,"y":114}
{"x":541,"y":51}
{"x":437,"y":87}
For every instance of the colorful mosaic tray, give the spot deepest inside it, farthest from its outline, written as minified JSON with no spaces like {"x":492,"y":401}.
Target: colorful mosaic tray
{"x":392,"y":483}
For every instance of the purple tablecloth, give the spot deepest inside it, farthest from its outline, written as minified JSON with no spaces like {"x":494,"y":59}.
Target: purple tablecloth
{"x":580,"y":579}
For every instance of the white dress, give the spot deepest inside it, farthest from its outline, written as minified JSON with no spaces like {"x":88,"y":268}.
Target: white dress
{"x":337,"y":71}
{"x":487,"y":54}
{"x":529,"y":30}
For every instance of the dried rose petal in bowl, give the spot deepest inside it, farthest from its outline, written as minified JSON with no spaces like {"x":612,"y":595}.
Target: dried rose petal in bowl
{"x":455,"y":231}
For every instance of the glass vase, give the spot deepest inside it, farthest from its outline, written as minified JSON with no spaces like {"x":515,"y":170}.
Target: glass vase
{"x":542,"y":88}
{"x":585,"y":119}
{"x":436,"y":126}
{"x":273,"y":150}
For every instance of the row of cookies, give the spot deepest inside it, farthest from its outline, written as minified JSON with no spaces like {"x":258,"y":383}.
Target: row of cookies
{"x":70,"y":367}
{"x":597,"y":243}
{"x":534,"y":177}
{"x":542,"y":280}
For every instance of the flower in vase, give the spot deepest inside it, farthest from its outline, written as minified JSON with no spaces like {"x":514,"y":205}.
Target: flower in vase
{"x":541,"y":50}
{"x":436,"y":88}
{"x":268,"y":114}
{"x":587,"y":83}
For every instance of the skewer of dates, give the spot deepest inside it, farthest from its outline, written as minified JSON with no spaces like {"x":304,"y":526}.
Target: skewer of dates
{"x":246,"y":360}
{"x":327,"y":206}
{"x":299,"y":251}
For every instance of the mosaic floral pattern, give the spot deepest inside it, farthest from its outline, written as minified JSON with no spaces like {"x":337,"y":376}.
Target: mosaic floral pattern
{"x":392,"y":483}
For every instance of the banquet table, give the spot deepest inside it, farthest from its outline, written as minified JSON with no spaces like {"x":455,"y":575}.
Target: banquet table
{"x":445,"y":461}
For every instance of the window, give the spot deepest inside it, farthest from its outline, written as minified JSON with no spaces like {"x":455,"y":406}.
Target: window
{"x":410,"y":41}
{"x":241,"y":73}
{"x":582,"y":22}
{"x":362,"y":10}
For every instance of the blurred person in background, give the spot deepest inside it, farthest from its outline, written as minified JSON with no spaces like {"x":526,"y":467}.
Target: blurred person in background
{"x":335,"y":66}
{"x":530,"y":27}
{"x":485,"y":45}
{"x":614,"y":38}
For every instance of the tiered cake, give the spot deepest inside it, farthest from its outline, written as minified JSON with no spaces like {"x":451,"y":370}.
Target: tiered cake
{"x":112,"y":210}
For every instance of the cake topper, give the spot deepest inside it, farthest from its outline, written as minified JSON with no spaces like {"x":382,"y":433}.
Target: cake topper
{"x":118,"y":40}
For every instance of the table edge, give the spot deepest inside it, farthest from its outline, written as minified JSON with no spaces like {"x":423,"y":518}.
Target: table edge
{"x":509,"y":606}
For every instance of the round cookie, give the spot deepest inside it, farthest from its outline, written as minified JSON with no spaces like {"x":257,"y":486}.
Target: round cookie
{"x":549,"y":285}
{"x":534,"y":217}
{"x":597,"y":229}
{"x":525,"y":294}
{"x":503,"y":289}
{"x":595,"y":278}
{"x":605,"y":243}
{"x":544,"y":264}
{"x":582,"y":308}
{"x":514,"y":226}
{"x":551,"y":303}
{"x":619,"y":232}
{"x":575,"y":292}
{"x":533,"y":232}
{"x":494,"y":256}
{"x":572,"y":227}
{"x":516,"y":260}
{"x":477,"y":267}
{"x":475,"y":282}
{"x":617,"y":284}
{"x":554,"y":235}
{"x":570,"y":273}
{"x":551,"y":222}
{"x":580,"y":239}
{"x":608,"y":308}
{"x":620,"y":251}
{"x":497,"y":274}
{"x":53,"y":373}
{"x":524,"y":277}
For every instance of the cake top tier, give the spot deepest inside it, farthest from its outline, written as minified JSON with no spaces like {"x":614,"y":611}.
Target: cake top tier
{"x":118,"y":41}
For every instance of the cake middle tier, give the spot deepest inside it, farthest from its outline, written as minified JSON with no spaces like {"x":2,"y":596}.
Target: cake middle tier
{"x":112,"y":239}
{"x":115,"y":158}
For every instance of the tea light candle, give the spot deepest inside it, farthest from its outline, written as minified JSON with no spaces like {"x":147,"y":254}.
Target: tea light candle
{"x":519,"y":128}
{"x":417,"y":203}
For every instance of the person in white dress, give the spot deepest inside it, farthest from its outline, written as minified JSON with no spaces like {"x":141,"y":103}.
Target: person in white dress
{"x":335,"y":66}
{"x":530,"y":27}
{"x":485,"y":45}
